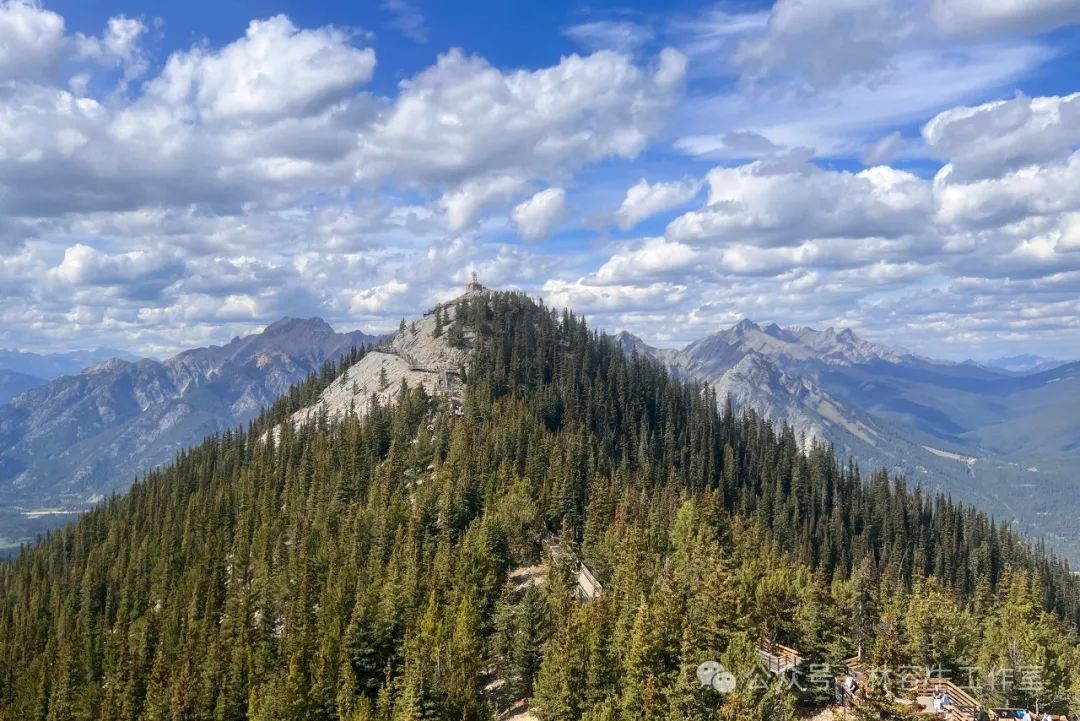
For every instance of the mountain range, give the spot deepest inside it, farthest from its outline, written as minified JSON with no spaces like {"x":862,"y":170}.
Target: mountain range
{"x":53,"y":365}
{"x":69,"y":442}
{"x":23,"y":370}
{"x":1024,"y":363}
{"x":1000,"y":438}
{"x":522,"y":521}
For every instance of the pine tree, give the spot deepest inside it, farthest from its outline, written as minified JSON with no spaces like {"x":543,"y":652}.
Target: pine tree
{"x":558,"y":690}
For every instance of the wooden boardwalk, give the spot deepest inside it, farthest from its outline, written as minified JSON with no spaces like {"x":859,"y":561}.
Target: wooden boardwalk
{"x":778,"y":659}
{"x":962,"y":704}
{"x":587,"y":587}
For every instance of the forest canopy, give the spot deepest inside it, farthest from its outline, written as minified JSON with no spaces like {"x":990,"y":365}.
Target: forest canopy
{"x":361,"y":568}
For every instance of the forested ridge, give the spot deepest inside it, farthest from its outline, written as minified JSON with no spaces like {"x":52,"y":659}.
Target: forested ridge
{"x":358,"y":569}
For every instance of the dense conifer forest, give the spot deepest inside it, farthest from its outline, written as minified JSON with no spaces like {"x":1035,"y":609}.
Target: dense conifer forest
{"x":360,"y":569}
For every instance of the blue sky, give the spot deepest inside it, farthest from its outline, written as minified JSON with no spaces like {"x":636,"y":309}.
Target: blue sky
{"x":175,"y":174}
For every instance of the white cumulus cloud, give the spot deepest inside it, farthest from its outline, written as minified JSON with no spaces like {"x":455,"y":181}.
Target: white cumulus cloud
{"x":989,"y":139}
{"x":786,"y":200}
{"x":276,"y":69}
{"x":464,"y":204}
{"x":644,"y":199}
{"x":31,"y":40}
{"x":463,"y":117}
{"x":536,"y":217}
{"x":119,"y":45}
{"x":135,"y":274}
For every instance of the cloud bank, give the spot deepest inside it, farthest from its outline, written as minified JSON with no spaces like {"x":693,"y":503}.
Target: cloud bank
{"x":678,"y":172}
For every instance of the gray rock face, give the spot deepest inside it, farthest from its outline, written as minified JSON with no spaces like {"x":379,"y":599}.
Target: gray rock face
{"x":416,"y":356}
{"x":71,"y":441}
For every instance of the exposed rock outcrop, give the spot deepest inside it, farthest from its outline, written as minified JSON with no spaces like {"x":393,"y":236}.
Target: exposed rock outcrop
{"x":423,"y":354}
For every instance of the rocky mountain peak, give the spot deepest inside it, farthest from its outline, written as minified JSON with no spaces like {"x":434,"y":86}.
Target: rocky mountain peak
{"x":288,"y":325}
{"x":108,"y":365}
{"x":745,"y":326}
{"x":629,"y":342}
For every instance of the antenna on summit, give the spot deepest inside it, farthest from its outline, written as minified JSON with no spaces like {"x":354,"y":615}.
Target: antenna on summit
{"x":474,"y":284}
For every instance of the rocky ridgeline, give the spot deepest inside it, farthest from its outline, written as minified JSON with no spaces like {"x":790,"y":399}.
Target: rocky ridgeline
{"x":417,"y":356}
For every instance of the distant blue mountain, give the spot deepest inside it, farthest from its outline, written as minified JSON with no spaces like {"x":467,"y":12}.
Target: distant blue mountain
{"x":53,"y":365}
{"x":1024,"y":363}
{"x":12,"y":383}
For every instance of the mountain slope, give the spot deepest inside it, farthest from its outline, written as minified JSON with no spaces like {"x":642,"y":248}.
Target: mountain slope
{"x":12,"y":383}
{"x":774,"y":371}
{"x":72,"y":441}
{"x":973,"y":431}
{"x":361,"y":567}
{"x":1039,"y":417}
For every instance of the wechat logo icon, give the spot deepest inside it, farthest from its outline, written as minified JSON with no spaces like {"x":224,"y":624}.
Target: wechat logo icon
{"x":711,"y":673}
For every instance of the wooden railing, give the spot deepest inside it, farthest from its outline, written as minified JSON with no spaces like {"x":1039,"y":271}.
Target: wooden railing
{"x":962,"y":704}
{"x":778,"y":658}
